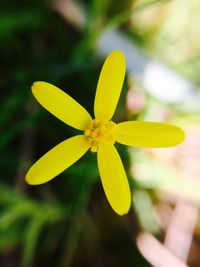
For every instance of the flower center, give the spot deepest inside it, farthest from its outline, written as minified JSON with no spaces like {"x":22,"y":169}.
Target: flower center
{"x":100,"y":132}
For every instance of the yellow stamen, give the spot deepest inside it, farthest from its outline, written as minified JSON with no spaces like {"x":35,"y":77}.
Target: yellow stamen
{"x":87,"y":132}
{"x":96,"y":122}
{"x":94,"y":134}
{"x":100,"y":132}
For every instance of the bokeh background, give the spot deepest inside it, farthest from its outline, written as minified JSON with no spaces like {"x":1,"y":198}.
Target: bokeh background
{"x":68,"y":221}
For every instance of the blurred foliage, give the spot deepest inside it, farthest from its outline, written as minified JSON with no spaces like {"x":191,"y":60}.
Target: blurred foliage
{"x":169,"y":30}
{"x":68,"y":221}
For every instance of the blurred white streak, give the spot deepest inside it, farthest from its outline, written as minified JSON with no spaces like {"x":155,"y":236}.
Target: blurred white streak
{"x":165,"y":84}
{"x":179,"y":233}
{"x":157,"y":254}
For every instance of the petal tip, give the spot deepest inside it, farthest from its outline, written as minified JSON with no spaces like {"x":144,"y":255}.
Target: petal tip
{"x":182,"y":135}
{"x":35,"y":86}
{"x":123,"y":212}
{"x":118,"y":54}
{"x":29,"y":180}
{"x":32,"y":181}
{"x":125,"y":208}
{"x":32,"y":177}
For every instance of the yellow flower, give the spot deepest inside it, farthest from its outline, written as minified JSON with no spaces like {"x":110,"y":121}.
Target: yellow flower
{"x":99,"y":134}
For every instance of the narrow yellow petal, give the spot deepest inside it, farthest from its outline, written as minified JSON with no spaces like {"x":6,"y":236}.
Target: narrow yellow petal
{"x":148,"y":134}
{"x":109,"y":85}
{"x":61,"y":105}
{"x":114,"y":180}
{"x":57,"y":160}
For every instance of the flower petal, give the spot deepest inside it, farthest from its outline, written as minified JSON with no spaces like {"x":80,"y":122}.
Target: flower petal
{"x":57,"y":160}
{"x":148,"y":134}
{"x":109,"y":85}
{"x":113,"y":177}
{"x":61,"y":105}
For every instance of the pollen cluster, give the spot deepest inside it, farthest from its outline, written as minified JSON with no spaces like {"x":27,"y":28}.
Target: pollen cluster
{"x":100,"y":132}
